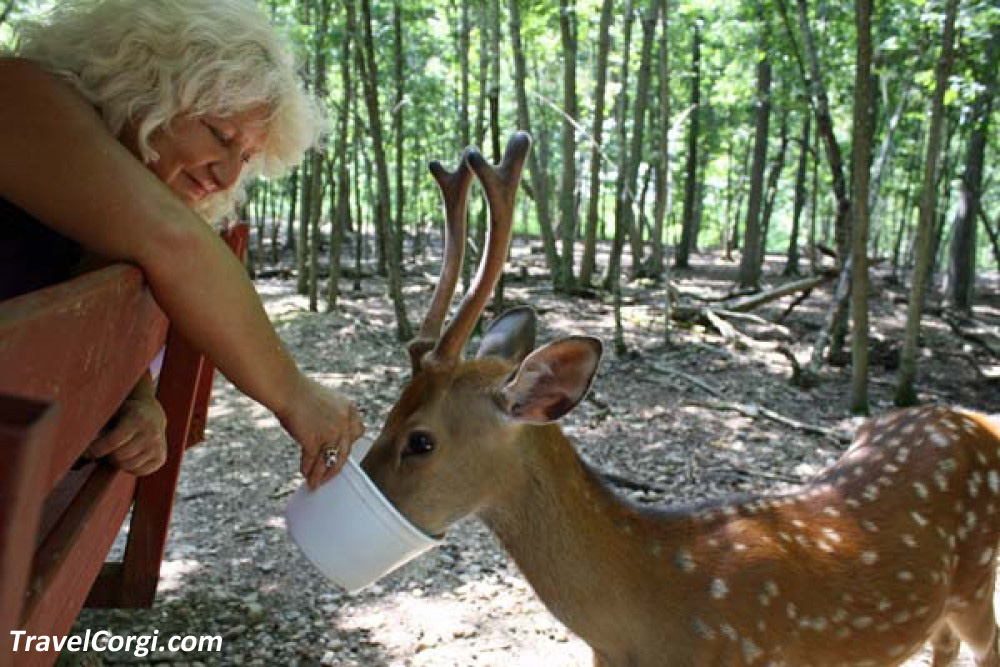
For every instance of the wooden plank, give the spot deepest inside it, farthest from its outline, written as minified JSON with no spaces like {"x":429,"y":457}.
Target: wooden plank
{"x":69,"y":560}
{"x":84,"y":342}
{"x":26,"y":428}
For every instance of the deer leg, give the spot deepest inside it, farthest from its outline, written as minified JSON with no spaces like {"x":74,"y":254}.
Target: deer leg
{"x":946,"y":646}
{"x":976,"y":623}
{"x":977,"y":627}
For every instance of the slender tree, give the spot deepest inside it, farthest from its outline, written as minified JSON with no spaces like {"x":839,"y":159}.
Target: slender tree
{"x":316,"y":167}
{"x":621,"y":117}
{"x":771,"y":190}
{"x":341,"y":211}
{"x":905,"y":391}
{"x":962,"y":256}
{"x":398,"y":128}
{"x":650,"y":19}
{"x":751,"y":259}
{"x":539,"y":179}
{"x":688,"y":219}
{"x":494,"y":102}
{"x":293,"y":201}
{"x":661,"y":200}
{"x":587,"y":262}
{"x":567,"y":181}
{"x":861,"y":161}
{"x":369,"y":80}
{"x":792,"y":262}
{"x":302,"y":231}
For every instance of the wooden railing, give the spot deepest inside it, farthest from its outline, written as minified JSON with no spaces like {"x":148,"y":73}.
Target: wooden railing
{"x":69,"y":355}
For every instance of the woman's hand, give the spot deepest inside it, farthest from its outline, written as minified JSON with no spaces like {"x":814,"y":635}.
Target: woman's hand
{"x":135,"y":440}
{"x":326,"y":425}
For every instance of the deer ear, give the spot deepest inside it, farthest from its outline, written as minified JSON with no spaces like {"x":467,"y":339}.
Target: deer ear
{"x":511,"y":336}
{"x":552,"y":380}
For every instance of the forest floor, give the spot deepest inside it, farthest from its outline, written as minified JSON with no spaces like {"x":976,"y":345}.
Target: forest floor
{"x":662,"y":416}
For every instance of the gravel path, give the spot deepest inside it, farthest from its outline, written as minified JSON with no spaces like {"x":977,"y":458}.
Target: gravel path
{"x":231,"y":570}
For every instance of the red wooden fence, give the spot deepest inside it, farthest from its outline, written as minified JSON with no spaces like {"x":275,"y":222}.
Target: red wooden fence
{"x":69,"y":355}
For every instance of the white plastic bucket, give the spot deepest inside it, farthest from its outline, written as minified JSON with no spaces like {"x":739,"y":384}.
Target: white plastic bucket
{"x":350,"y":531}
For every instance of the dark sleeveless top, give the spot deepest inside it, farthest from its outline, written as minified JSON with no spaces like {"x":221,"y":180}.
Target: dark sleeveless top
{"x":32,"y":256}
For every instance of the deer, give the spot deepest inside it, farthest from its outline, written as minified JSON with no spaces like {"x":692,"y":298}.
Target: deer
{"x":891,"y":546}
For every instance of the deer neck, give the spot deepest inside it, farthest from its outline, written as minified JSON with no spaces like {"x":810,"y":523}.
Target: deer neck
{"x":580,"y":546}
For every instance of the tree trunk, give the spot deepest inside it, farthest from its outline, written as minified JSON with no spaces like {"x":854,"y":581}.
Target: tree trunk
{"x":905,"y":390}
{"x":478,"y":230}
{"x":904,"y":213}
{"x":464,"y":132}
{"x":684,"y":247}
{"x":650,"y":18}
{"x":792,"y":262}
{"x":567,"y":184}
{"x":661,"y":201}
{"x":359,"y":158}
{"x":539,"y":179}
{"x":861,"y":161}
{"x":773,"y":178}
{"x":885,"y":153}
{"x":814,"y":206}
{"x":277,"y":214}
{"x":824,"y":129}
{"x":962,"y":264}
{"x":293,"y":201}
{"x":316,"y":210}
{"x":369,"y":81}
{"x":398,"y":129}
{"x":302,"y":236}
{"x":498,"y":293}
{"x":750,"y":262}
{"x":734,"y":238}
{"x":340,"y":213}
{"x":587,"y":263}
{"x":621,"y":114}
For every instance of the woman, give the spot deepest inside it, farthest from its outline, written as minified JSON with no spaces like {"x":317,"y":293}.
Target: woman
{"x":127,"y":125}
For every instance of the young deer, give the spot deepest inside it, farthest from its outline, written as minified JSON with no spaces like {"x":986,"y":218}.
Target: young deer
{"x":894,"y":544}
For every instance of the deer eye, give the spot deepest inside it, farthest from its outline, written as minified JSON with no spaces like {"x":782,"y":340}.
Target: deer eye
{"x":419,"y":443}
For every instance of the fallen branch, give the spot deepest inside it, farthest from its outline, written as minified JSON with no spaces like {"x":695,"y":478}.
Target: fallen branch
{"x":690,"y":379}
{"x":794,"y":304}
{"x":749,"y":303}
{"x":780,"y":330}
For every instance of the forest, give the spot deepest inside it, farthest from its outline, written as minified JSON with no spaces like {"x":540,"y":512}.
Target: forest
{"x":843,"y":137}
{"x":779,"y":215}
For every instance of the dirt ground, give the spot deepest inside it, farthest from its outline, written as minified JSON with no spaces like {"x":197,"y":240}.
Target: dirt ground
{"x":231,"y":569}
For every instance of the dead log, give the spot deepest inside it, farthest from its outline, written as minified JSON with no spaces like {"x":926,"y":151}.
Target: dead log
{"x":752,"y":302}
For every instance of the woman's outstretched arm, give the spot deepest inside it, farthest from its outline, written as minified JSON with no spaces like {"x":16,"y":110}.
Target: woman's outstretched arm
{"x":59,"y":163}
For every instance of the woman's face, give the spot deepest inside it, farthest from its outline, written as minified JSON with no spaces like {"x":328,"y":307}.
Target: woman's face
{"x":202,"y":155}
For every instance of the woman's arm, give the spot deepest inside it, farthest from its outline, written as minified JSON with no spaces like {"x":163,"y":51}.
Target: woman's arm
{"x":59,"y":163}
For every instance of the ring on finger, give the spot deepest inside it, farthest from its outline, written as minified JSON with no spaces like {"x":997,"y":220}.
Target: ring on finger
{"x":331,"y":455}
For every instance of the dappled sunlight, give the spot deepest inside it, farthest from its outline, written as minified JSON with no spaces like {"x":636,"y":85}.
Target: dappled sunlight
{"x":173,"y":573}
{"x":432,"y":630}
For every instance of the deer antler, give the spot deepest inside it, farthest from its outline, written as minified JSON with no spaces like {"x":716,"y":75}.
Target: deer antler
{"x":500,"y":184}
{"x":454,"y":188}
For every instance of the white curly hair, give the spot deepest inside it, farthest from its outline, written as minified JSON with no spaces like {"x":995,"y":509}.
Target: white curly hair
{"x":148,"y":61}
